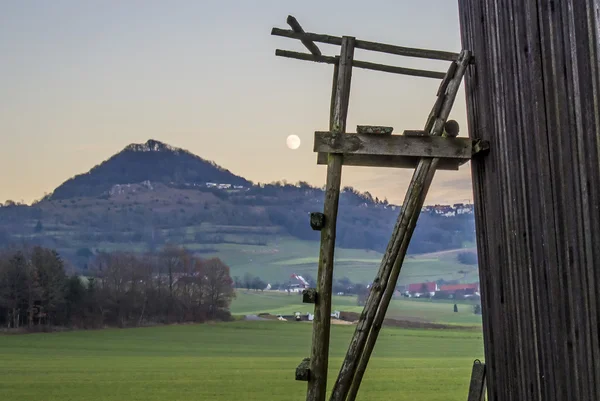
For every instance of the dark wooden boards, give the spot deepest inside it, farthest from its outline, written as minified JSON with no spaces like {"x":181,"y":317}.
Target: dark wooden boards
{"x":394,"y":145}
{"x":534,"y":93}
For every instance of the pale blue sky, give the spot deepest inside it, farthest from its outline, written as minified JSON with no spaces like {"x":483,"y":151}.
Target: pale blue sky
{"x":80,"y":80}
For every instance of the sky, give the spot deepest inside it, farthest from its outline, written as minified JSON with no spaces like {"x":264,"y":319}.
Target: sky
{"x":82,"y":79}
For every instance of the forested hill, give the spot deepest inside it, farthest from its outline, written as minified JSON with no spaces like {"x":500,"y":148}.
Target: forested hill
{"x":151,"y":194}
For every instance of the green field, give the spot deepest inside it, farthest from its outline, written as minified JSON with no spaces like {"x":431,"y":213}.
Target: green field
{"x":253,"y":303}
{"x":226,"y":361}
{"x":276,"y":261}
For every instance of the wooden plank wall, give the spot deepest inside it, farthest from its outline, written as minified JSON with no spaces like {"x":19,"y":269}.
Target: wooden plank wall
{"x":534,"y":93}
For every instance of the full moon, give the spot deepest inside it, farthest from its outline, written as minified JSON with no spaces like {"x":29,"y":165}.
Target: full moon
{"x":293,"y":142}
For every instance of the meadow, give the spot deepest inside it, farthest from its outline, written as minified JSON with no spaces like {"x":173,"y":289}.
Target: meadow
{"x":282,"y":255}
{"x":276,"y":261}
{"x":426,"y":310}
{"x":253,"y":360}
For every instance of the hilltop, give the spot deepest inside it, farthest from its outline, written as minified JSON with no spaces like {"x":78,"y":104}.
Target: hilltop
{"x":152,"y":161}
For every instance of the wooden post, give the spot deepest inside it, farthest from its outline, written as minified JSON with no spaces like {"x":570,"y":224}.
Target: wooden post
{"x":373,"y":314}
{"x":477,"y":385}
{"x":534,"y":93}
{"x":319,"y":361}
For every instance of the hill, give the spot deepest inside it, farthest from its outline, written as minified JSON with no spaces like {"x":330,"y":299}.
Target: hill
{"x":151,"y":194}
{"x":152,"y":161}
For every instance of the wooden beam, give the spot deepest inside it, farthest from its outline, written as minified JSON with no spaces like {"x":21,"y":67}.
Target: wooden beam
{"x":394,"y":145}
{"x":361,"y":64}
{"x":366,"y":45}
{"x":310,"y":45}
{"x":374,"y":129}
{"x":319,"y":361}
{"x":391,"y":161}
{"x":477,"y":385}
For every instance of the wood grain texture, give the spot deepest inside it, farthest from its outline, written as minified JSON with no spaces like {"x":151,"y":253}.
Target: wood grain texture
{"x":477,"y":384}
{"x":361,"y":64}
{"x":534,"y":94}
{"x":407,"y":221}
{"x":391,"y":161}
{"x":309,"y":44}
{"x":319,"y":363}
{"x":393,"y":145}
{"x":374,"y":129}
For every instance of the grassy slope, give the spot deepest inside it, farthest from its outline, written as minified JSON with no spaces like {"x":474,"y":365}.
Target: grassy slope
{"x":253,"y":360}
{"x":249,"y":303}
{"x":284,"y":255}
{"x":278,"y":260}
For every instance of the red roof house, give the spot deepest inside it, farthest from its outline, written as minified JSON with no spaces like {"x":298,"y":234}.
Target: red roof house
{"x":474,"y":287}
{"x":423,"y":287}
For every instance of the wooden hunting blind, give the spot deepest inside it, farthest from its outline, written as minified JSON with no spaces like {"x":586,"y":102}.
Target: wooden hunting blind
{"x":435,"y":147}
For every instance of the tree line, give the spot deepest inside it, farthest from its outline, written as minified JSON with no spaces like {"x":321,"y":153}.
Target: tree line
{"x":123,"y":289}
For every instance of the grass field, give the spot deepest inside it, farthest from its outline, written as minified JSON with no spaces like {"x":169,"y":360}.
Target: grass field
{"x":252,"y":303}
{"x":283,"y":255}
{"x":226,"y":361}
{"x":279,"y":259}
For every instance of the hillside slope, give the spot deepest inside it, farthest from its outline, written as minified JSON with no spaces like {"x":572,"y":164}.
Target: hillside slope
{"x":152,"y":161}
{"x":151,"y":194}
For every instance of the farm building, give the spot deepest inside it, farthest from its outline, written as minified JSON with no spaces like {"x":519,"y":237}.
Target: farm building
{"x":419,"y":289}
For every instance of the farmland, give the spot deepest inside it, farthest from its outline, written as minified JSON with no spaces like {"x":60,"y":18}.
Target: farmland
{"x":252,"y":302}
{"x":284,"y":256}
{"x":224,"y":361}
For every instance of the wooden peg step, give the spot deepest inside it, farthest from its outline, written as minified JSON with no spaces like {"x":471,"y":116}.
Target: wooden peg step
{"x":303,"y":370}
{"x":309,"y":296}
{"x":317,"y":221}
{"x":451,"y":128}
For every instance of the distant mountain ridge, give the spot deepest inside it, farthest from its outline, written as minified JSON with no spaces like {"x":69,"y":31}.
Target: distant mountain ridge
{"x":151,"y":194}
{"x":152,"y":161}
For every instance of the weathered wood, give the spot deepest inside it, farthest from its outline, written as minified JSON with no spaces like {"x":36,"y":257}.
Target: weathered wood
{"x":367,"y":329}
{"x":361,"y":64}
{"x":480,"y":147}
{"x":317,"y":385}
{"x":534,"y":94}
{"x":317,"y":221}
{"x":309,"y":44}
{"x":394,"y":145}
{"x":306,"y":56}
{"x":366,"y":45}
{"x":414,"y":199}
{"x":391,"y":161}
{"x":477,"y":384}
{"x":366,"y":65}
{"x":309,"y":296}
{"x":374,"y":129}
{"x":414,"y":133}
{"x":444,"y":84}
{"x":303,"y":370}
